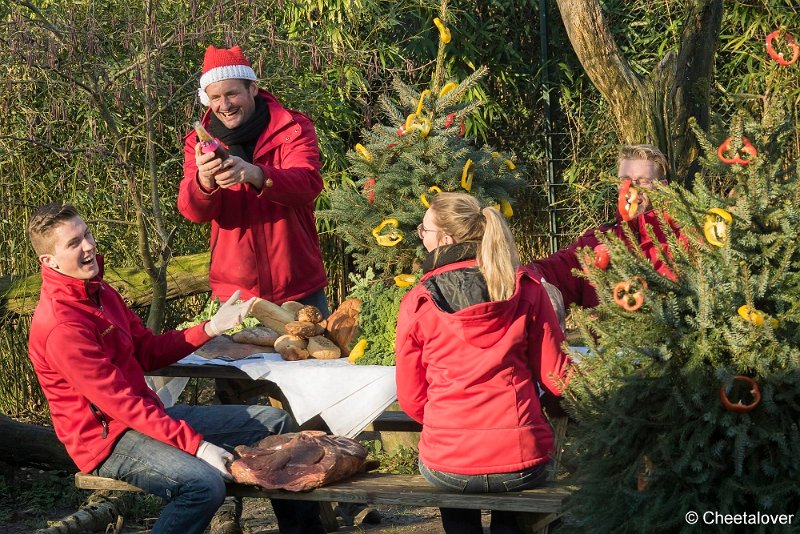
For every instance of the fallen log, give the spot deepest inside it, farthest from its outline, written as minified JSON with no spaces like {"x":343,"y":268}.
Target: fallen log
{"x":32,"y":445}
{"x":103,"y":510}
{"x":186,"y":275}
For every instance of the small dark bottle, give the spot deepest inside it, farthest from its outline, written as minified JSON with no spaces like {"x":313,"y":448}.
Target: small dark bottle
{"x":208,"y":143}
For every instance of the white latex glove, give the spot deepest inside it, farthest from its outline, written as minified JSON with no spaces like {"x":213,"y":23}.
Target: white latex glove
{"x":230,"y":314}
{"x":216,"y":457}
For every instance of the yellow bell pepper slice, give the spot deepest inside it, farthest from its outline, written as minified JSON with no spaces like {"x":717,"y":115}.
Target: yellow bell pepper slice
{"x":424,"y":126}
{"x":444,"y":31}
{"x":506,"y":209}
{"x":422,"y":96}
{"x":410,"y":120}
{"x":363,"y":152}
{"x":424,"y":199}
{"x":357,"y":351}
{"x":449,"y":86}
{"x":754,"y":316}
{"x":390,"y":239}
{"x":466,"y":176}
{"x":716,"y":226}
{"x":404,"y":280}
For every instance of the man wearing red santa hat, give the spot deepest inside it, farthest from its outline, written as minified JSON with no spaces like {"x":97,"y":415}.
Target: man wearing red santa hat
{"x":260,"y":199}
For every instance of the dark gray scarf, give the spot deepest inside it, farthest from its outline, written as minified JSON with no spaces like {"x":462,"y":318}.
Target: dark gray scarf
{"x":241,"y":141}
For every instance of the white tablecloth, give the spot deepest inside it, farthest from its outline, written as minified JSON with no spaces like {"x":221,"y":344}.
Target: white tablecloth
{"x":348,"y":397}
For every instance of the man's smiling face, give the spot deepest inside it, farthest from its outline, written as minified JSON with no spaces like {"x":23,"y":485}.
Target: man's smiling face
{"x":232,"y":101}
{"x":74,"y":250}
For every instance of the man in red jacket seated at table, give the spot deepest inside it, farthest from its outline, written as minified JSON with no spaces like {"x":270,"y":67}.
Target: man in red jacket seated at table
{"x":90,"y":353}
{"x":640,"y":167}
{"x":260,"y":199}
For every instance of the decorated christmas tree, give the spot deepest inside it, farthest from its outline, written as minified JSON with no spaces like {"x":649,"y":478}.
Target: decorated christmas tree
{"x":400,"y":165}
{"x":688,"y":402}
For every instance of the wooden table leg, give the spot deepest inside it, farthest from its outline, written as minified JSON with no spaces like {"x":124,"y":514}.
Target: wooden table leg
{"x":328,"y":516}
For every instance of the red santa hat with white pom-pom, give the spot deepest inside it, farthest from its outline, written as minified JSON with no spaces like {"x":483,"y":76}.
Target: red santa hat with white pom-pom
{"x":223,"y":64}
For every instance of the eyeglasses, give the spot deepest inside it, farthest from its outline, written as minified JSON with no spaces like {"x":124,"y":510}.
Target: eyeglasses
{"x":646,"y":183}
{"x":421,"y":231}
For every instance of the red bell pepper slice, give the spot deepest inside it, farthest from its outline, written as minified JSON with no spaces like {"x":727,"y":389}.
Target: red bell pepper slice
{"x":627,"y":297}
{"x":747,"y":150}
{"x":369,"y":190}
{"x":738,"y":406}
{"x":778,"y":56}
{"x":627,"y":200}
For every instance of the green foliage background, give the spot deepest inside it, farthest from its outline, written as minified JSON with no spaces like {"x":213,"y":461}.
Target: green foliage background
{"x":78,"y":78}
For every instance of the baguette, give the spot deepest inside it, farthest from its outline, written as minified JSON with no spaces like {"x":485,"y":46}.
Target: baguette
{"x":292,"y":306}
{"x":271,"y":315}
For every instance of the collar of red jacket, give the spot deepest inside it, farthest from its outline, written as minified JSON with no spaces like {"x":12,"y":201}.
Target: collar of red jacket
{"x":419,"y":294}
{"x":280,"y":119}
{"x":62,"y":286}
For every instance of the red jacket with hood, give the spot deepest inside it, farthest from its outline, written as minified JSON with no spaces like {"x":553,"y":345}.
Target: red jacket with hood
{"x":90,"y":352}
{"x":470,"y":376}
{"x":265,"y":241}
{"x":557,"y":268}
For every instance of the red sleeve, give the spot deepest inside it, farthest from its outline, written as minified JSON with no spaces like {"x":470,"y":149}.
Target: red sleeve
{"x":557,"y":269}
{"x":194,"y":202}
{"x":297,"y":181}
{"x":547,"y":359}
{"x":412,"y":386}
{"x":157,"y":351}
{"x":82,"y":362}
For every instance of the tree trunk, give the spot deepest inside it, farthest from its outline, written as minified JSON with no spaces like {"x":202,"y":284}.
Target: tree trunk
{"x":654,"y":109}
{"x":186,"y":275}
{"x":23,"y":444}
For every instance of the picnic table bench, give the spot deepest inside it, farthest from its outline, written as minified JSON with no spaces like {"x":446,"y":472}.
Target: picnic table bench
{"x":539,"y":507}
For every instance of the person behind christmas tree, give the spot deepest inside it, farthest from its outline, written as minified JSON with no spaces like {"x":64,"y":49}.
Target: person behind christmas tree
{"x":90,"y":352}
{"x":474,"y":338}
{"x":644,"y":166}
{"x":260,"y":199}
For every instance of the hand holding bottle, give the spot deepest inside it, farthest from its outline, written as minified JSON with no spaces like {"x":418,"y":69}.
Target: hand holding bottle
{"x":210,"y":156}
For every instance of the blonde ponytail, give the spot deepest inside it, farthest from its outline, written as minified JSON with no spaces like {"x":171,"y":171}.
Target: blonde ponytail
{"x":459,"y":215}
{"x":498,"y":258}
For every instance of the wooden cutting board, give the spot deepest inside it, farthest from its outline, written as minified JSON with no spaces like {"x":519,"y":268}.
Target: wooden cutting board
{"x":225,"y":346}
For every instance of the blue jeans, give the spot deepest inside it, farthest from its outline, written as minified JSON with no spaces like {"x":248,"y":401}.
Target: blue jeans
{"x":192,"y":489}
{"x":464,"y":521}
{"x":319,"y":300}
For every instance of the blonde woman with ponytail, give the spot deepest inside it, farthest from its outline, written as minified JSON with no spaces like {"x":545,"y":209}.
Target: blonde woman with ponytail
{"x":474,"y":339}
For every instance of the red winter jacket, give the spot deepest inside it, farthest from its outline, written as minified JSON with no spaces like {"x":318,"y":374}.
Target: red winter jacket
{"x":90,"y":351}
{"x":470,"y":376}
{"x":557,"y":268}
{"x":263,"y":242}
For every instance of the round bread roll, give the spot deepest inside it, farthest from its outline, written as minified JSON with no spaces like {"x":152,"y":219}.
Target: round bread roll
{"x":257,"y":335}
{"x":291,"y":348}
{"x":310,"y":314}
{"x":303,"y":328}
{"x":322,"y":348}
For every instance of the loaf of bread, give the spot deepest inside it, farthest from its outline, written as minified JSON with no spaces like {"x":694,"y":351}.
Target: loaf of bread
{"x":257,"y":335}
{"x":322,"y":348}
{"x":292,"y":306}
{"x":342,"y":326}
{"x":309,"y":314}
{"x":303,"y":328}
{"x":291,"y":348}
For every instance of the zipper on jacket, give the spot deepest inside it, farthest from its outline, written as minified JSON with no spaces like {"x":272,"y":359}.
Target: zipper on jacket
{"x":100,"y":418}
